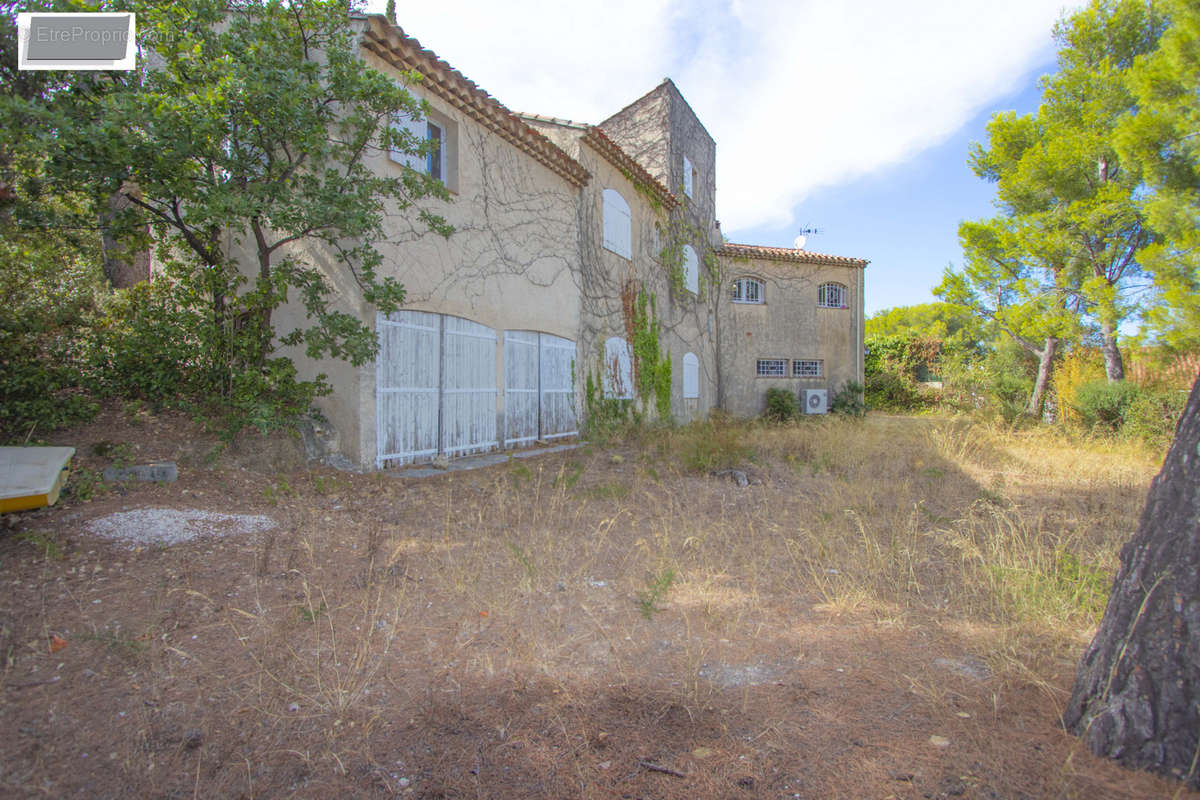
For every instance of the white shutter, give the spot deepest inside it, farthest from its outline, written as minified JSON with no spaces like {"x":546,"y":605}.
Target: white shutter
{"x":618,"y":368}
{"x":407,"y":386}
{"x":691,"y":270}
{"x":520,"y":387}
{"x":691,"y":376}
{"x":557,"y":389}
{"x":687,"y":176}
{"x":617,"y":224}
{"x":468,"y":387}
{"x":417,"y":126}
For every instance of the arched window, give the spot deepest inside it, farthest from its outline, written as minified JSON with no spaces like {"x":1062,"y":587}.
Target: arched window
{"x":691,"y":375}
{"x":833,"y":295}
{"x":617,"y":380}
{"x":691,"y":270}
{"x":617,"y":228}
{"x":747,"y":290}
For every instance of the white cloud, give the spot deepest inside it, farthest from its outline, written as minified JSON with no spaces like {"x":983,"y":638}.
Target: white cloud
{"x":797,"y":94}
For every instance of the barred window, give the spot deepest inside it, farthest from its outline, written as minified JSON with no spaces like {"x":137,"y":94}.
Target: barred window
{"x":747,"y":290}
{"x":772,"y":368}
{"x":832,"y":295}
{"x":807,"y":368}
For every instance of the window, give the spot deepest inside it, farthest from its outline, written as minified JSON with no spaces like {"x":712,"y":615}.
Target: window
{"x":807,"y":368}
{"x":688,"y":171}
{"x":691,"y":376}
{"x":771,"y":368}
{"x":833,"y":295}
{"x":435,"y":160}
{"x":617,"y":380}
{"x":618,"y":235}
{"x":437,"y":133}
{"x":747,"y":290}
{"x":691,"y":270}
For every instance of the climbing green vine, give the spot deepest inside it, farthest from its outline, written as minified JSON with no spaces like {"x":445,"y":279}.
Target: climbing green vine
{"x":651,"y":365}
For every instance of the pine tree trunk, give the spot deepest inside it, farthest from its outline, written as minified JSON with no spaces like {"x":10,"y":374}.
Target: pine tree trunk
{"x":1114,"y":365}
{"x":1137,"y":689}
{"x":1045,"y":365}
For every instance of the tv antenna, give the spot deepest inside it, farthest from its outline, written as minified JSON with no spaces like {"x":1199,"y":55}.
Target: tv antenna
{"x":802,"y":237}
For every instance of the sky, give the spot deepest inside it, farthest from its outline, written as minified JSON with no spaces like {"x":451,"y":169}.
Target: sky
{"x":853,"y":117}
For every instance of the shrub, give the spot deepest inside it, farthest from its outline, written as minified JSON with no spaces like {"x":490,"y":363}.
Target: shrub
{"x":781,"y":405}
{"x":849,"y":400}
{"x":890,"y":390}
{"x":1153,"y":415}
{"x":1078,"y":367}
{"x":1101,"y":404}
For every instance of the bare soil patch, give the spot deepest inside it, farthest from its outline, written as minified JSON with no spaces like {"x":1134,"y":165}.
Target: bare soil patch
{"x":573,"y":625}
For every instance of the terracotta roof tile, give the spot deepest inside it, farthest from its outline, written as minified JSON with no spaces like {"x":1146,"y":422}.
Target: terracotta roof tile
{"x":390,"y":43}
{"x":787,"y":254}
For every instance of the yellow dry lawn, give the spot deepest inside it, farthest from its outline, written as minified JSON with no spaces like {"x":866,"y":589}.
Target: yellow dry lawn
{"x":892,"y":607}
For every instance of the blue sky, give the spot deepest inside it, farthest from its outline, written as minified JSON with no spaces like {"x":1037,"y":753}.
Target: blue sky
{"x":904,"y":218}
{"x":854,"y":116}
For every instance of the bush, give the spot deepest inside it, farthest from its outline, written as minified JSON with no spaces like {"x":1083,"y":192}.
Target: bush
{"x":39,"y":391}
{"x":890,"y":390}
{"x":781,"y":405}
{"x":849,"y":400}
{"x":1153,"y":415}
{"x":1101,"y":404}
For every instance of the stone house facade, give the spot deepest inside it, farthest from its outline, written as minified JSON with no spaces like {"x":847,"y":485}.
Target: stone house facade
{"x":559,"y":226}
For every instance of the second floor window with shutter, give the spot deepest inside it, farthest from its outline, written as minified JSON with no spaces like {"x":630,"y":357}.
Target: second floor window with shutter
{"x":617,"y":224}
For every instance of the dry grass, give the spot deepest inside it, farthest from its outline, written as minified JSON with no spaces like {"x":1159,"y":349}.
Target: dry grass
{"x":547,"y":627}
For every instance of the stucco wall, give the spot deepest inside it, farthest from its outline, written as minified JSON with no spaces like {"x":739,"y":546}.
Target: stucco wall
{"x":788,"y":325}
{"x":512,"y":263}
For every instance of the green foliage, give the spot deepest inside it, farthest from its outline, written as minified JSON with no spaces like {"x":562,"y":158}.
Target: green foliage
{"x":1104,"y":404}
{"x":849,"y":400}
{"x":83,"y":485}
{"x":886,"y":390}
{"x":781,"y":405}
{"x":159,"y":342}
{"x":651,"y":365}
{"x":1154,"y":414}
{"x":45,"y":541}
{"x":606,"y":417}
{"x":657,"y":587}
{"x":954,"y":326}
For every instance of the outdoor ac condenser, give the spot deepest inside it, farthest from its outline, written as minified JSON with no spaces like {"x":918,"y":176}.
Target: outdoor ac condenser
{"x":816,"y":401}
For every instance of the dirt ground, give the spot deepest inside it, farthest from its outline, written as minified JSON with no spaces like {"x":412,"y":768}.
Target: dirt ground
{"x":591,"y":624}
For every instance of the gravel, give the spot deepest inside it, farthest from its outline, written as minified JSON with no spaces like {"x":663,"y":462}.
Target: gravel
{"x":166,"y":526}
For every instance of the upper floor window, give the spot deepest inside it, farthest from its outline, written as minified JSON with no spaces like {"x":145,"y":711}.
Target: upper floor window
{"x":691,"y":270}
{"x":435,"y":135}
{"x":688,"y":176}
{"x":691,"y":376}
{"x":833,"y":295}
{"x":747,"y":290}
{"x":618,"y":235}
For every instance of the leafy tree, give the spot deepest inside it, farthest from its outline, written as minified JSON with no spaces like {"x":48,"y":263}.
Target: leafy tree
{"x":956,"y":327}
{"x":1018,"y":289}
{"x":1069,"y":201}
{"x":247,"y":146}
{"x":1164,"y":139}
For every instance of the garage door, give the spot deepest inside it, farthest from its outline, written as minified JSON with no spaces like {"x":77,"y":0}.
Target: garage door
{"x":538,"y":392}
{"x":435,"y":387}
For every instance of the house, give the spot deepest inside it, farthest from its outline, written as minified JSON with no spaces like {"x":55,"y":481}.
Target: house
{"x":584,"y":256}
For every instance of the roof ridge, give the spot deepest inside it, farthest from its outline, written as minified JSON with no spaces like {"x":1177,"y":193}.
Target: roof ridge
{"x":392,"y":44}
{"x":788,"y":254}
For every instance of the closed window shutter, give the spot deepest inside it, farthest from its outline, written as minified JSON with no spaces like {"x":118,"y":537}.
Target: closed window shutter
{"x":419,"y":130}
{"x":691,"y":270}
{"x":617,"y":224}
{"x":687,"y":176}
{"x":691,"y":376}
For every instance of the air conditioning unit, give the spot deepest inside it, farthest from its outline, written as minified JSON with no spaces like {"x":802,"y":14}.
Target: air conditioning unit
{"x":816,"y":401}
